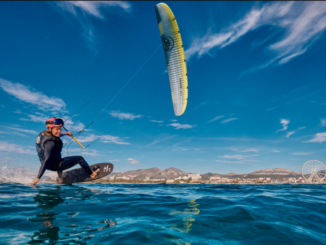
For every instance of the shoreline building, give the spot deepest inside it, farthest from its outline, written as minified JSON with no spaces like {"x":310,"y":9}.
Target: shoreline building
{"x":194,"y":176}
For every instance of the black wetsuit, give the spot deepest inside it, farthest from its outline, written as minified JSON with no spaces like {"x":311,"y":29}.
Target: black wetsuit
{"x":49,"y":152}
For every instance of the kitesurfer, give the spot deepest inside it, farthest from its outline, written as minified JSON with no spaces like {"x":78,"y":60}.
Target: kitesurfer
{"x":49,"y":147}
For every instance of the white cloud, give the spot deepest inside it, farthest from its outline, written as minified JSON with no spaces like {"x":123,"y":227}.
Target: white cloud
{"x":114,"y":160}
{"x":284,"y":123}
{"x":92,"y":8}
{"x":104,"y":139}
{"x":39,"y":117}
{"x":229,"y":120}
{"x":302,"y":23}
{"x":200,"y":105}
{"x":216,"y":118}
{"x":293,"y":132}
{"x":81,"y":10}
{"x":180,"y":149}
{"x":319,"y":137}
{"x":84,"y":152}
{"x":289,"y":134}
{"x":323,"y":122}
{"x":302,"y":153}
{"x":13,"y":133}
{"x":239,"y":157}
{"x":133,"y":161}
{"x":113,"y":139}
{"x":181,"y":126}
{"x":246,"y":150}
{"x":156,"y":121}
{"x":174,"y":120}
{"x":90,"y":152}
{"x":70,"y":125}
{"x":158,"y":140}
{"x":242,"y":161}
{"x":228,"y":161}
{"x":13,"y":148}
{"x":276,"y":151}
{"x":22,"y":130}
{"x":17,"y":131}
{"x":25,"y":94}
{"x":122,"y":115}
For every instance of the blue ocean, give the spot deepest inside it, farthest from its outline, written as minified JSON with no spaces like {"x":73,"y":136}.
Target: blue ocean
{"x":162,"y":214}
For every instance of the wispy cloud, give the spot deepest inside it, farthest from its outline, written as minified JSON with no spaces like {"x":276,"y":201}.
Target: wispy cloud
{"x":323,"y":122}
{"x":84,"y":152}
{"x":160,"y":139}
{"x":133,"y":161}
{"x":156,"y":121}
{"x":245,"y":150}
{"x":293,"y":132}
{"x":181,"y":126}
{"x":229,"y":120}
{"x":289,"y":134}
{"x":104,"y":139}
{"x":319,"y":137}
{"x":239,"y":157}
{"x":302,"y":23}
{"x":124,"y":115}
{"x":242,"y":161}
{"x":200,"y":105}
{"x":180,"y":149}
{"x":302,"y":153}
{"x":276,"y":151}
{"x":29,"y":95}
{"x":284,"y":123}
{"x":27,"y":131}
{"x":12,"y":133}
{"x":81,"y":10}
{"x":37,"y":117}
{"x":13,"y":148}
{"x":216,"y":118}
{"x":245,"y":139}
{"x":93,"y":8}
{"x":70,"y":125}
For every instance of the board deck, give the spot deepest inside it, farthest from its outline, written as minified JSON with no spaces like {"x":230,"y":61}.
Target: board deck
{"x":80,"y":175}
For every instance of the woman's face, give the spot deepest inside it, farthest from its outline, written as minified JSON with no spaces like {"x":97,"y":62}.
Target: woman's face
{"x":56,"y":131}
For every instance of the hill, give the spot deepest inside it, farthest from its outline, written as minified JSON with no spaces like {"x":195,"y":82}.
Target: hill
{"x":172,"y":173}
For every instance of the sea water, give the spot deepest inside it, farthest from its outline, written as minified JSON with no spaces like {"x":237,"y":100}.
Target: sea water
{"x":162,"y":214}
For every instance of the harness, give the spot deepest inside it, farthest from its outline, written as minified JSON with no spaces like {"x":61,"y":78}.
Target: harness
{"x":42,"y":139}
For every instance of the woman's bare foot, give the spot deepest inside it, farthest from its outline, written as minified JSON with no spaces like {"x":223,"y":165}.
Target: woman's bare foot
{"x":93,"y":175}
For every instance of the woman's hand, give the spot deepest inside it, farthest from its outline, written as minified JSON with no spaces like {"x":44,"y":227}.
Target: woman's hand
{"x":69,"y":133}
{"x":35,"y":181}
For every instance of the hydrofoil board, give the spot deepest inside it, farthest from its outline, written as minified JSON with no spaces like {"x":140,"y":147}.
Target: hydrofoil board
{"x":80,"y":175}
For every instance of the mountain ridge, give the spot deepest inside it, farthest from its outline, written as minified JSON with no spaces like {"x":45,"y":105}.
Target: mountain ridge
{"x":172,"y":173}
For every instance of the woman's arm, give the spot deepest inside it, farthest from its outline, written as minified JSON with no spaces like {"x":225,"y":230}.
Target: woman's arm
{"x":66,"y":133}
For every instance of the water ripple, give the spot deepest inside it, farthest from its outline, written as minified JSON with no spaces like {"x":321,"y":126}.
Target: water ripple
{"x":162,"y":214}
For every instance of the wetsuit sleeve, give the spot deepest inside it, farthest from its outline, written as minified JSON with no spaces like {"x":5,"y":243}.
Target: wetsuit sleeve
{"x":48,"y":151}
{"x":63,"y":134}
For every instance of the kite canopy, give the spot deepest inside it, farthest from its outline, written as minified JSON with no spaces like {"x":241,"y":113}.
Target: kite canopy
{"x":175,"y":57}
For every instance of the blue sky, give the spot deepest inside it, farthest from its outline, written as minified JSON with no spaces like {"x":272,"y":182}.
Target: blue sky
{"x":256,"y":83}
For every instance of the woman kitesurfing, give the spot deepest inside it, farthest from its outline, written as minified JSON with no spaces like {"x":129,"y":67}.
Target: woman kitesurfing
{"x":49,"y":147}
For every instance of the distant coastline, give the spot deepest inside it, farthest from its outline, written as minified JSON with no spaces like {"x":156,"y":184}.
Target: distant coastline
{"x":177,"y":176}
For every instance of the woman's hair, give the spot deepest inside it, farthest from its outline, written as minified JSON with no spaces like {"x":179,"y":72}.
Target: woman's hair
{"x":47,"y":132}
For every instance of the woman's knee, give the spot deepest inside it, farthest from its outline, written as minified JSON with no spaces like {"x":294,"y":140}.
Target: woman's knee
{"x":79,"y":158}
